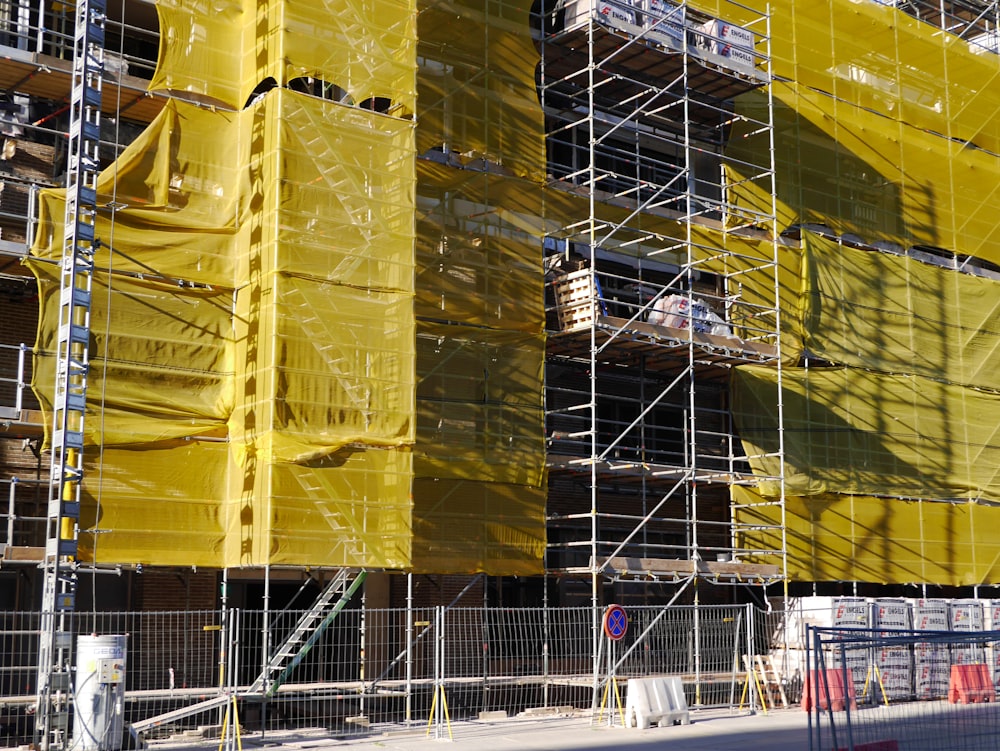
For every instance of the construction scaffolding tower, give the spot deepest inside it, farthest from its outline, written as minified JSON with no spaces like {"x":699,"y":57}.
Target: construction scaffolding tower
{"x":663,"y":288}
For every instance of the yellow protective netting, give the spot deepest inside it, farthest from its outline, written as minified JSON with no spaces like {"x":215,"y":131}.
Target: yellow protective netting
{"x":293,"y":341}
{"x":187,"y":369}
{"x":861,"y":538}
{"x":885,"y":127}
{"x":157,"y":504}
{"x":221,"y":51}
{"x":476,"y":85}
{"x":895,"y":314}
{"x":479,"y":406}
{"x":479,"y":457}
{"x":323,"y":417}
{"x":479,"y":494}
{"x":279,"y":249}
{"x":854,"y":431}
{"x":464,"y":526}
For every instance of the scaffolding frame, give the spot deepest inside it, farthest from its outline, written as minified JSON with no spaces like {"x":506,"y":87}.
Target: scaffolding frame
{"x":642,"y":88}
{"x":69,"y":405}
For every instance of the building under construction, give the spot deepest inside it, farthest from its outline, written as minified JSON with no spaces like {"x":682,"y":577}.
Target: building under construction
{"x":403,"y":304}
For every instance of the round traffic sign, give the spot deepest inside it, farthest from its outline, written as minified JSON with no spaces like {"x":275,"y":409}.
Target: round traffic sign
{"x":615,"y":622}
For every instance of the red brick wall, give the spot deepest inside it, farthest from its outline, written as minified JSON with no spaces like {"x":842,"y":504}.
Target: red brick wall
{"x":430,"y":591}
{"x":30,"y":162}
{"x":176,"y":590}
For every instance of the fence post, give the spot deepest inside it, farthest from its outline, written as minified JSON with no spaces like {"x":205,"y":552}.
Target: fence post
{"x":225,"y":642}
{"x":697,"y":646}
{"x":846,"y":676}
{"x":409,"y":649}
{"x":813,"y":690}
{"x":545,"y":646}
{"x":438,"y":670}
{"x":362,"y":638}
{"x":485,"y":646}
{"x":749,"y":653}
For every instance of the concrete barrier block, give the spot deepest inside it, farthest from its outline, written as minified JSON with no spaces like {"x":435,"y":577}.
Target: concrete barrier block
{"x":657,"y":701}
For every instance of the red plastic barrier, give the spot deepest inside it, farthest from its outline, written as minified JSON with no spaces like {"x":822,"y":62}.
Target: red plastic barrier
{"x":835,"y":680}
{"x":970,"y":684}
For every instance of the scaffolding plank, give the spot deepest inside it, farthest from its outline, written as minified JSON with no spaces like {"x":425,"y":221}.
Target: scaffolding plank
{"x":51,"y":78}
{"x":137,"y":728}
{"x":625,"y":566}
{"x":22,"y":553}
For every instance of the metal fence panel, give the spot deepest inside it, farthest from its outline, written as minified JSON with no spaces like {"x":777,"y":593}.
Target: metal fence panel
{"x":384,"y":667}
{"x":879,"y":711}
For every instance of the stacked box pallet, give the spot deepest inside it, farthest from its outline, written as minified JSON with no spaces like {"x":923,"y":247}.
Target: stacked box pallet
{"x":895,"y":664}
{"x":852,"y":612}
{"x":666,"y":23}
{"x":967,"y":617}
{"x":993,"y":648}
{"x":931,"y":661}
{"x":575,"y":300}
{"x":793,"y":634}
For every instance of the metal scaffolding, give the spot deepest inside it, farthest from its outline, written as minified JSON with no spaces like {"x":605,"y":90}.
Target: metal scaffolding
{"x":648,"y":293}
{"x":72,"y":370}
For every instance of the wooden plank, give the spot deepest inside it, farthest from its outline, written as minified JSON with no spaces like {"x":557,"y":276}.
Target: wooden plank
{"x":674,"y":567}
{"x":23,"y":553}
{"x":732,"y":346}
{"x":28,"y":423}
{"x":50,"y":78}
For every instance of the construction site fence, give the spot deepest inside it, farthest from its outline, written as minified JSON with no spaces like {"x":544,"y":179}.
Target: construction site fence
{"x":887,"y":690}
{"x":384,"y":668}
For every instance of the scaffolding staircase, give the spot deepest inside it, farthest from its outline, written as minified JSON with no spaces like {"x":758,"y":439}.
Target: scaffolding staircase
{"x":306,"y":633}
{"x":286,"y":656}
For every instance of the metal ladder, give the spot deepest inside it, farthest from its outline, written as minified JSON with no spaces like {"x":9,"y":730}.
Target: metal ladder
{"x":55,"y":669}
{"x":306,"y":633}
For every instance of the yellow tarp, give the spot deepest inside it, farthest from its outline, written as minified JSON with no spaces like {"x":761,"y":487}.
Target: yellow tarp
{"x":479,"y":404}
{"x":898,"y":315}
{"x":860,"y":538}
{"x":478,"y":526}
{"x":157,"y":504}
{"x":307,"y":368}
{"x":853,"y":431}
{"x":885,"y":127}
{"x":220,"y":52}
{"x":191,"y":354}
{"x":479,"y":489}
{"x":261,"y":317}
{"x":479,"y":459}
{"x":476,"y":85}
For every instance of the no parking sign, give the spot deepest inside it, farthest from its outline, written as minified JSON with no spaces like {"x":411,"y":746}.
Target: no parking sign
{"x":615,"y":622}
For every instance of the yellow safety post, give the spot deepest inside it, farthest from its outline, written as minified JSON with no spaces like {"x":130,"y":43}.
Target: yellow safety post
{"x":236,"y":726}
{"x":751,"y":673}
{"x":444,"y":705}
{"x":878,"y":678}
{"x":618,"y":699}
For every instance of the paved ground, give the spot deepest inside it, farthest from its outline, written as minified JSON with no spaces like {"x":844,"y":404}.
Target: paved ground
{"x":778,"y":731}
{"x":784,"y":730}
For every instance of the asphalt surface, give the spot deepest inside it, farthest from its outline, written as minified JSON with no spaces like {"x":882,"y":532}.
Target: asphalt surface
{"x":779,"y":730}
